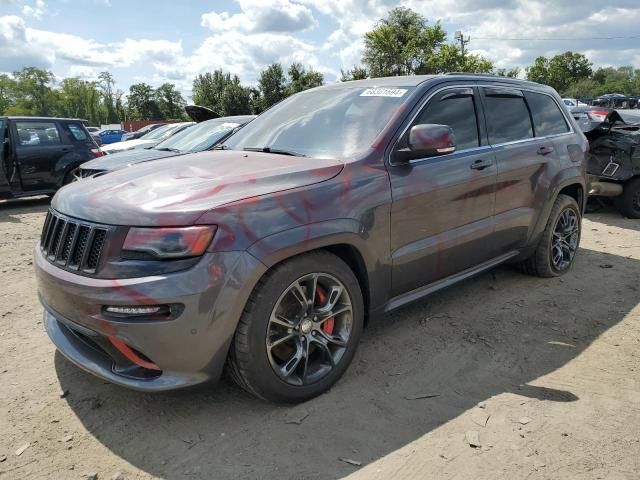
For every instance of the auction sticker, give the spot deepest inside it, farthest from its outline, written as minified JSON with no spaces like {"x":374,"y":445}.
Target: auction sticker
{"x":383,"y":92}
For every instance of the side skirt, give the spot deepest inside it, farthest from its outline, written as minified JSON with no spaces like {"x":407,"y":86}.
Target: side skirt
{"x":418,"y":293}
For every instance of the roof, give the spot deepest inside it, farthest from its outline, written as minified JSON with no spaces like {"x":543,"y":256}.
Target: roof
{"x":415,"y":80}
{"x":11,"y":117}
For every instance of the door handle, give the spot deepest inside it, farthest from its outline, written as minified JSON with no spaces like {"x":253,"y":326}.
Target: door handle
{"x":545,"y":150}
{"x":480,"y":164}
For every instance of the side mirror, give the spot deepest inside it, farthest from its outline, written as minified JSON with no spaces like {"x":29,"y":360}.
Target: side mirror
{"x":428,"y":140}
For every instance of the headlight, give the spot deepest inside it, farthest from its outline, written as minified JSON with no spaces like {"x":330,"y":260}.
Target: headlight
{"x":168,"y":242}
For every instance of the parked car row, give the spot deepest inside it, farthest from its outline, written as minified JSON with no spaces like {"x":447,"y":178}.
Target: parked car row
{"x":268,"y":250}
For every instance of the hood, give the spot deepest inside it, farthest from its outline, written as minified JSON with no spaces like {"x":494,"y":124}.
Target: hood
{"x":129,"y":145}
{"x":200,"y":114}
{"x":119,"y":160}
{"x":169,"y":193}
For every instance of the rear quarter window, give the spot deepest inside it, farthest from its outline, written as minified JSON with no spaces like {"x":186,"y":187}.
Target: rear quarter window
{"x":508,"y":118}
{"x":547,"y":117}
{"x":77,"y":131}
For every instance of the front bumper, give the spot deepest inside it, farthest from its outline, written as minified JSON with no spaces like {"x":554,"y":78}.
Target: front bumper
{"x":187,"y":350}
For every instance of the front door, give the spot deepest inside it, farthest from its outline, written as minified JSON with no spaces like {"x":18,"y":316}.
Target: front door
{"x":442,"y":212}
{"x":38,"y":148}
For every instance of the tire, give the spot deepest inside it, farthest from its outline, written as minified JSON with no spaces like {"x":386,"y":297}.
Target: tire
{"x":253,"y":360}
{"x":629,"y":202}
{"x":542,"y":262}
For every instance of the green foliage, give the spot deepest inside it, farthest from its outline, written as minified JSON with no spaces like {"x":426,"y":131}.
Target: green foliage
{"x":356,"y":73}
{"x":141,"y":103}
{"x":106,"y":84}
{"x":507,"y":72}
{"x":222,"y":93}
{"x":271,"y":86}
{"x":560,"y":71}
{"x":80,"y":99}
{"x":402,"y":44}
{"x":33,"y":92}
{"x":7,"y":92}
{"x":300,"y":79}
{"x":170,"y":102}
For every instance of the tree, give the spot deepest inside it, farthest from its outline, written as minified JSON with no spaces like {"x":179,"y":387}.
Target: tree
{"x":170,"y":101}
{"x":300,"y":79}
{"x":401,"y":44}
{"x":449,"y":58}
{"x":235,"y":99}
{"x":80,"y":99}
{"x":356,"y":73}
{"x":106,"y":83}
{"x":142,"y":104}
{"x":561,"y":71}
{"x":508,"y":72}
{"x":208,"y":89}
{"x":34,"y":93}
{"x":271,"y":85}
{"x":7,"y":93}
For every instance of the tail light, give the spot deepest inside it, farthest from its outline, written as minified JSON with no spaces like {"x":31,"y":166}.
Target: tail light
{"x":597,"y":115}
{"x":97,"y":152}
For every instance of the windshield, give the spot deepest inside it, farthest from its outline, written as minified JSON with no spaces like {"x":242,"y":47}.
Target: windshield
{"x":161,"y":133}
{"x":199,"y":137}
{"x":323,"y":123}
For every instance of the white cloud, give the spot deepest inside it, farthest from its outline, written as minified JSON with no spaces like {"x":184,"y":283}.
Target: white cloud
{"x":258,"y":16}
{"x":36,"y":11}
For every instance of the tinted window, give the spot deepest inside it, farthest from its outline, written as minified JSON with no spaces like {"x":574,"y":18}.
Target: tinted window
{"x":547,"y":118}
{"x":77,"y":131}
{"x":459,"y":113}
{"x":37,"y":133}
{"x":508,"y":119}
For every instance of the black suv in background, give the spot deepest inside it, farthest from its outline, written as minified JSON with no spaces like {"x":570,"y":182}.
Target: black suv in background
{"x":38,"y":155}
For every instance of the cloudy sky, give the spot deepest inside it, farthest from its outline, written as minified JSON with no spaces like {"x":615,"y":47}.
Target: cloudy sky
{"x":167,"y":40}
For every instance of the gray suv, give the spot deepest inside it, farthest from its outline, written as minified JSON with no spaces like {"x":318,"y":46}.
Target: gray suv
{"x":269,"y":255}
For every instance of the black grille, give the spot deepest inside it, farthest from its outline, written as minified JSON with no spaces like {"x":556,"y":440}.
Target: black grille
{"x":72,"y":244}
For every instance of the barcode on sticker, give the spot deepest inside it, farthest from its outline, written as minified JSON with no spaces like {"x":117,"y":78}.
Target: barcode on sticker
{"x":383,"y":92}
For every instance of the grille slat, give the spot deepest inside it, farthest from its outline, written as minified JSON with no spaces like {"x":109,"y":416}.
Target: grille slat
{"x":71,"y":244}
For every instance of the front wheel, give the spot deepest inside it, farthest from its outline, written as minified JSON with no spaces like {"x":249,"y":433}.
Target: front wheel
{"x":300,"y":329}
{"x":558,"y":246}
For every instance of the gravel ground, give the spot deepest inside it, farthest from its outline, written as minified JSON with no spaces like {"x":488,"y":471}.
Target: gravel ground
{"x":543,"y":375}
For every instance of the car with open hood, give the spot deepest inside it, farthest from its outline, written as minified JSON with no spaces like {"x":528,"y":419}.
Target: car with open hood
{"x":269,"y":255}
{"x":203,"y":136}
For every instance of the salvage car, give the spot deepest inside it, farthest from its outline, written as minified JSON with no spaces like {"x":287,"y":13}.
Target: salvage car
{"x":332,"y":208}
{"x":204,"y":136}
{"x":152,"y":138}
{"x":142,"y":131}
{"x":109,"y":136}
{"x":38,"y":155}
{"x":614,"y":160}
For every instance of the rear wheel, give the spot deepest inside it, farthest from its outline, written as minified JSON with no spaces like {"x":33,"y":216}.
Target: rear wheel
{"x":629,"y":202}
{"x":300,"y":329}
{"x":558,"y":246}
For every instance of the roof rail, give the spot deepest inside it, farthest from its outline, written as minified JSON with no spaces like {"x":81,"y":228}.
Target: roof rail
{"x":475,"y":74}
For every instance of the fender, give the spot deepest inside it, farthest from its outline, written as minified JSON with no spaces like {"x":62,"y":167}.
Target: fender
{"x":543,"y":218}
{"x":66,"y":164}
{"x":343,"y":231}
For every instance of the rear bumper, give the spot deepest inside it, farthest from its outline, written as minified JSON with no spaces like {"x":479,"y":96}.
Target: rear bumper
{"x":189,"y":349}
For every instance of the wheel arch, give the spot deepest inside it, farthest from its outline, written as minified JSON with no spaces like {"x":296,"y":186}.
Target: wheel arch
{"x":345,"y":243}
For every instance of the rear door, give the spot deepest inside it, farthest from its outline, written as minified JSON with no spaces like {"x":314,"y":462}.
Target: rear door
{"x":39,"y":147}
{"x":522,"y":180}
{"x":4,"y":160}
{"x":442,"y":212}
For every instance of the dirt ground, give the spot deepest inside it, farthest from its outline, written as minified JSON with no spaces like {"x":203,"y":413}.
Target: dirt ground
{"x":544,"y":372}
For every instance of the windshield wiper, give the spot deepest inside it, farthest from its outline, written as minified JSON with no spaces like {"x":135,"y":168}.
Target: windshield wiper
{"x":221,"y":147}
{"x":274,"y":150}
{"x":166,"y":149}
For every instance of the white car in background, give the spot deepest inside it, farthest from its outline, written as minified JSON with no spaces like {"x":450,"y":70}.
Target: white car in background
{"x":149,"y":140}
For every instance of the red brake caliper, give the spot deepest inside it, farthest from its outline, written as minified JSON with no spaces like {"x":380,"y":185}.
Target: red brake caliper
{"x":321,"y":298}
